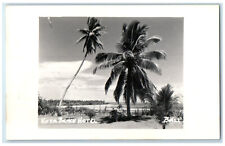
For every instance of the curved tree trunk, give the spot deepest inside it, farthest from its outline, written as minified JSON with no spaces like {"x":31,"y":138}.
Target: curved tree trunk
{"x":64,"y":94}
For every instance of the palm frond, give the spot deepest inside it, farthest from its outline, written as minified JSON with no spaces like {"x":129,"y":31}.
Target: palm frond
{"x":152,"y":88}
{"x":81,"y":39}
{"x":108,"y":84}
{"x":150,"y":65}
{"x":97,"y":42}
{"x":93,"y":23}
{"x":119,"y":87}
{"x":144,"y":88}
{"x":142,"y":36}
{"x":85,"y":43}
{"x":122,"y":47}
{"x":132,"y":32}
{"x":90,"y":48}
{"x":106,"y":65}
{"x":145,"y":94}
{"x":133,"y":36}
{"x":143,"y":28}
{"x":134,"y":97}
{"x":131,"y":27}
{"x":84,"y":31}
{"x":152,"y":40}
{"x":97,"y":34}
{"x":98,"y":28}
{"x":153,"y":55}
{"x":140,"y":79}
{"x":99,"y":45}
{"x":102,"y":57}
{"x":143,"y":43}
{"x":114,"y":74}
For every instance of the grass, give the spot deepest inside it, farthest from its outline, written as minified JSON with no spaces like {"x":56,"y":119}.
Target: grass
{"x":106,"y":120}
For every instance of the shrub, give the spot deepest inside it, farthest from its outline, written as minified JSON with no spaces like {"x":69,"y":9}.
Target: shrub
{"x":166,"y":105}
{"x":69,"y":110}
{"x":90,"y":113}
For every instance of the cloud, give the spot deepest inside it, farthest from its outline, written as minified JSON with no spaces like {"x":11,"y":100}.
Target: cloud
{"x":65,"y":71}
{"x":55,"y":76}
{"x":61,"y":69}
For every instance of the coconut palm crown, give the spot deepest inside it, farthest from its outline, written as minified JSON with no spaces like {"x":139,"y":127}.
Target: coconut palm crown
{"x":91,"y":36}
{"x":130,"y":63}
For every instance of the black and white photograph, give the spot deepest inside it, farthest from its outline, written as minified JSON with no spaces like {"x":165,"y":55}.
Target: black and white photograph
{"x":111,"y":72}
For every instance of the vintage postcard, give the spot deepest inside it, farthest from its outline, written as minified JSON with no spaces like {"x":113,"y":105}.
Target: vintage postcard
{"x":112,"y":72}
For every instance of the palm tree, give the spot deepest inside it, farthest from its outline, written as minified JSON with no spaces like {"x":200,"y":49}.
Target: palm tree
{"x":91,"y":37}
{"x":130,"y":63}
{"x":164,"y":104}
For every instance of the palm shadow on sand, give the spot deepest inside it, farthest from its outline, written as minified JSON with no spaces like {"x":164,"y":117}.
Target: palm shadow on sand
{"x":110,"y":119}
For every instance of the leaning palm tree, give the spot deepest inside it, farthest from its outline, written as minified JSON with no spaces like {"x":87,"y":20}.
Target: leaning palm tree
{"x":165,"y":104}
{"x":130,"y":63}
{"x":91,"y":43}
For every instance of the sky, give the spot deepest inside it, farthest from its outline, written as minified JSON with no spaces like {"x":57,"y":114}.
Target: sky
{"x":60,"y":56}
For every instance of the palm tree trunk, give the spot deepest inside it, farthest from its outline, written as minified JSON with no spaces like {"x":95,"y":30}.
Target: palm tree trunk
{"x":64,"y":94}
{"x":128,"y":96}
{"x":164,"y":126}
{"x":128,"y":107}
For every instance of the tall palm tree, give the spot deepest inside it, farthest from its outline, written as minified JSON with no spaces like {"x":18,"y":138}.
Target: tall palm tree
{"x":164,"y":104}
{"x":130,"y":63}
{"x":91,"y":43}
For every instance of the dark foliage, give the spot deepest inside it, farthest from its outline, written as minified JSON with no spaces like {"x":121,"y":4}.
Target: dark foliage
{"x":167,"y":105}
{"x":90,"y":113}
{"x":116,"y":116}
{"x":44,"y":108}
